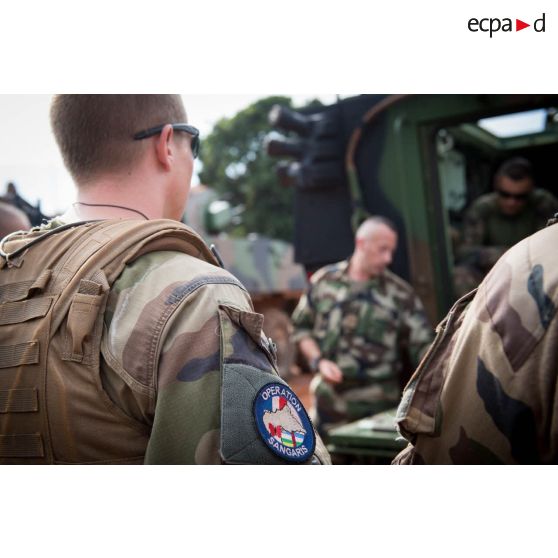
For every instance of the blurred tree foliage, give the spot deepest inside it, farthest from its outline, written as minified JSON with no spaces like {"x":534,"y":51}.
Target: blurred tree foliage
{"x":237,"y":167}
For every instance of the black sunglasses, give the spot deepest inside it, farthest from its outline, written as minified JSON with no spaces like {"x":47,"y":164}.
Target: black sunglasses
{"x":509,"y":195}
{"x":194,"y":132}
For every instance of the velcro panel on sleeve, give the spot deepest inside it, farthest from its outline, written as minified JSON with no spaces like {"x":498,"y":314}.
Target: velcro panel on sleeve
{"x":240,"y":440}
{"x":245,"y":369}
{"x":16,"y":355}
{"x":19,"y":400}
{"x":18,"y":312}
{"x":21,"y":445}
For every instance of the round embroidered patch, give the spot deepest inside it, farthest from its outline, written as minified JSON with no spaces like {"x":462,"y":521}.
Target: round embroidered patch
{"x":283,"y":423}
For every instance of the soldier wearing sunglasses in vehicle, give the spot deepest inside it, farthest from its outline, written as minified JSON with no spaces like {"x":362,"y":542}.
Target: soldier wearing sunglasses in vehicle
{"x":498,"y":220}
{"x":121,"y":338}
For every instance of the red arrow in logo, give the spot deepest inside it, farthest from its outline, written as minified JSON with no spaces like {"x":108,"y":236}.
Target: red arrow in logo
{"x":519,"y":25}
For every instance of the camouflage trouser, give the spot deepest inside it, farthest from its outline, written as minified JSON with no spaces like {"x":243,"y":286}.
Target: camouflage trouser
{"x":333,"y":407}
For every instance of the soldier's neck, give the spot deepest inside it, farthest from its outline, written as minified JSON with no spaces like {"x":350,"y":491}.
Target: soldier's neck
{"x":356,"y":272}
{"x":116,"y":199}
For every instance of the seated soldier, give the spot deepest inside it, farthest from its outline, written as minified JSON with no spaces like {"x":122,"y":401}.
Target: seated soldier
{"x":356,"y":326}
{"x":497,"y":221}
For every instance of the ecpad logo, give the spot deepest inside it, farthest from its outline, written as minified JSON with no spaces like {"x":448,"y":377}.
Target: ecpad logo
{"x":494,"y":24}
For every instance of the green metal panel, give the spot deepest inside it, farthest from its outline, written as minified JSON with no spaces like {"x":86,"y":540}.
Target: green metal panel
{"x":409,"y":177}
{"x":373,"y":437}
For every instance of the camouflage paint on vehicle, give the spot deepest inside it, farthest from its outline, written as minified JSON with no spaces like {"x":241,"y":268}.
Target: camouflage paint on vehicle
{"x":264,"y":266}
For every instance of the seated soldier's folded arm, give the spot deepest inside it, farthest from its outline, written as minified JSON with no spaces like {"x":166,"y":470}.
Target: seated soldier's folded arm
{"x":304,"y":317}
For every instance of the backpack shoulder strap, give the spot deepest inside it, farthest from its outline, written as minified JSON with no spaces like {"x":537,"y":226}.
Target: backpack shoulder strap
{"x":102,"y":252}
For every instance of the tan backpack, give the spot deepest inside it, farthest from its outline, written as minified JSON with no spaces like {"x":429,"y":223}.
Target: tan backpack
{"x":53,"y":292}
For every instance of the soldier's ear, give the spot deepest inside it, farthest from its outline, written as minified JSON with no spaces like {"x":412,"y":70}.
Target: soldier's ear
{"x":164,"y":147}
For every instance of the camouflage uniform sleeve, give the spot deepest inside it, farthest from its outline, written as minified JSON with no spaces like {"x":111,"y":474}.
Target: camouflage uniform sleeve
{"x":163,"y":343}
{"x":485,"y":393}
{"x":165,"y":339}
{"x":304,"y":316}
{"x":186,"y":425}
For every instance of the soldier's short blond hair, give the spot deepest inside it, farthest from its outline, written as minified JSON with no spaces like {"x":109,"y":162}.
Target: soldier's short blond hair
{"x":95,"y":132}
{"x":368,"y":227}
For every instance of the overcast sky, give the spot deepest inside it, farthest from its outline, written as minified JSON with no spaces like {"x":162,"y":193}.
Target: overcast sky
{"x":29,"y":156}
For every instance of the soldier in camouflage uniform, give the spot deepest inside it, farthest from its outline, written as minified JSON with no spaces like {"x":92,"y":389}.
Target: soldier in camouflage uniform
{"x":357,"y":326}
{"x":485,"y":392}
{"x":186,"y":374}
{"x":498,"y":220}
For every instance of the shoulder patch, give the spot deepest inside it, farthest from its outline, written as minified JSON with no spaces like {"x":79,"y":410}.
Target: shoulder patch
{"x":283,"y":423}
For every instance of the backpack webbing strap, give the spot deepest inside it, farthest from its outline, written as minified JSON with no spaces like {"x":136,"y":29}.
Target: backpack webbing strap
{"x":19,"y":400}
{"x":21,"y":445}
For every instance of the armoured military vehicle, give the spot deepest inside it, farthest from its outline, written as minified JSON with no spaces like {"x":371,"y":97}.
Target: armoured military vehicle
{"x":419,"y":160}
{"x":265,"y":266}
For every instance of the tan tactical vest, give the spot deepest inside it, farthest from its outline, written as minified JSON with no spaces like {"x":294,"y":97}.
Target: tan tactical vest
{"x":52,"y":301}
